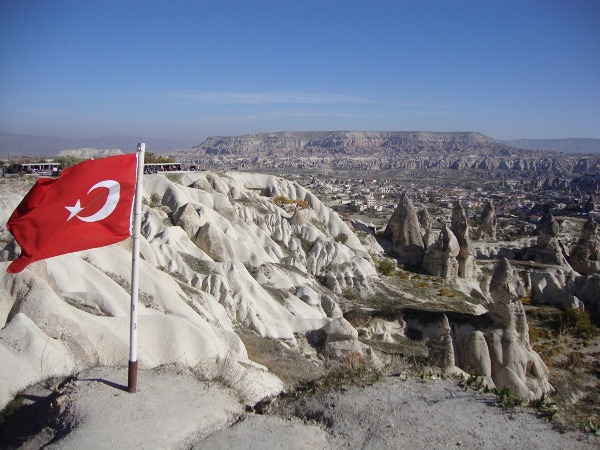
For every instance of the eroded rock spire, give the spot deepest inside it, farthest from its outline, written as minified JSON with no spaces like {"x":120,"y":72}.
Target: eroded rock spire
{"x":403,"y":228}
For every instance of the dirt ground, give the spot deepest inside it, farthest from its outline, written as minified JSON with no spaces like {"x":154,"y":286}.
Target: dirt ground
{"x":175,"y":410}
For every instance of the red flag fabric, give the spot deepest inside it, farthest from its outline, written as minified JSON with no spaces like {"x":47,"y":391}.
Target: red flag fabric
{"x":88,"y":206}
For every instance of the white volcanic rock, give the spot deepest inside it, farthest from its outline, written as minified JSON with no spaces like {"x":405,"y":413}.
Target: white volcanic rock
{"x":330,"y":307}
{"x":88,"y":153}
{"x":554,"y":286}
{"x":440,"y":258}
{"x":467,"y":265}
{"x":215,"y":255}
{"x":308,"y":296}
{"x":403,"y":228}
{"x":73,"y":329}
{"x":502,"y":249}
{"x":514,"y":363}
{"x":352,"y":353}
{"x":585,"y":255}
{"x":487,"y":228}
{"x":329,"y":219}
{"x":548,"y":249}
{"x":187,"y":218}
{"x":473,"y":351}
{"x":426,"y":223}
{"x":586,"y":289}
{"x":500,"y":353}
{"x":339,"y":330}
{"x":441,"y":352}
{"x":212,"y":241}
{"x":384,"y":330}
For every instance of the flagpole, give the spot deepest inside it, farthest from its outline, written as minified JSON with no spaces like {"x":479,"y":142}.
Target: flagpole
{"x":137,"y":220}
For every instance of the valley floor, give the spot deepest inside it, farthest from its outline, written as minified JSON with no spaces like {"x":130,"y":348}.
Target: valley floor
{"x":173,"y":409}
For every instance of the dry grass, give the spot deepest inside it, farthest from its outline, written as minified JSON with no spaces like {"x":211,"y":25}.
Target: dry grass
{"x":289,"y":365}
{"x":569,"y":344}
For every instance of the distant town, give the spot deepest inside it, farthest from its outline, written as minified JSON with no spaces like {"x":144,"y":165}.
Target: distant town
{"x":369,"y":187}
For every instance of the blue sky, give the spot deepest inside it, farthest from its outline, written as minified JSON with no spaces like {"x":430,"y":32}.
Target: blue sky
{"x":191,"y":69}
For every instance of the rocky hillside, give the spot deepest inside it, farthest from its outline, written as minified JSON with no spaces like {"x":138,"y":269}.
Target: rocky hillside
{"x":90,"y":153}
{"x":237,"y":268}
{"x":219,"y":259}
{"x":399,"y":150}
{"x":351,"y":143}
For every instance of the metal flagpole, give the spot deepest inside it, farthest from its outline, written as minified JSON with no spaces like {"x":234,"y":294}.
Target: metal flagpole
{"x":137,"y":219}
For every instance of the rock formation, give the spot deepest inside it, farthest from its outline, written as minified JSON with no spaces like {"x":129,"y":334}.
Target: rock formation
{"x":426,"y":222}
{"x":440,"y":258}
{"x":235,"y":262}
{"x":211,"y":240}
{"x":216,"y":256}
{"x":349,"y":142}
{"x":513,"y":361}
{"x":506,"y":287}
{"x":496,"y":349}
{"x":434,"y":150}
{"x":473,"y":355}
{"x":487,"y":228}
{"x":403,"y":229}
{"x":554,"y":285}
{"x":441,"y":351}
{"x":587,"y":290}
{"x":467,"y":265}
{"x":187,"y":218}
{"x":501,"y":353}
{"x":585,"y":255}
{"x":548,"y":249}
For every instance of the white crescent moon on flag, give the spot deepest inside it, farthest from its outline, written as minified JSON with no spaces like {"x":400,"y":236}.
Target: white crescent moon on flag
{"x":114,"y":193}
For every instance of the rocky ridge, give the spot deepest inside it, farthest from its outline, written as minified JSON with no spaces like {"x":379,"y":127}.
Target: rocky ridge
{"x":399,"y":150}
{"x":89,"y":153}
{"x":349,"y":143}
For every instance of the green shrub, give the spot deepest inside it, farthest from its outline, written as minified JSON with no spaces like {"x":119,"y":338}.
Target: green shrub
{"x":154,"y":201}
{"x":386,"y":267}
{"x":508,"y":398}
{"x":577,"y":323}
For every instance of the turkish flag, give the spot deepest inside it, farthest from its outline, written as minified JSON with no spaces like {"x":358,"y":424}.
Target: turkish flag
{"x":88,"y":206}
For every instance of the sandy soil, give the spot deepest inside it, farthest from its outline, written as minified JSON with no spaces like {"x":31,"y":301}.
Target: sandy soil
{"x":399,"y":414}
{"x":175,"y":410}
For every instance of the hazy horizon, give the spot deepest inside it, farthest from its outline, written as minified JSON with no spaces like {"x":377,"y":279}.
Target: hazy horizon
{"x":187,"y":70}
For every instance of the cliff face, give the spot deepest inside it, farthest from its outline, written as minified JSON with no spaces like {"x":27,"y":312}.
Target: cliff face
{"x":351,"y":143}
{"x":403,"y":150}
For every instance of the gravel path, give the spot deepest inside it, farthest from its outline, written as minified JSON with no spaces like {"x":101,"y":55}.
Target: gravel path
{"x":174,"y":410}
{"x":398,"y":414}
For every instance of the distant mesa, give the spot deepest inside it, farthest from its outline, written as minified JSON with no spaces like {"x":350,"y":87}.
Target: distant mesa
{"x":350,"y":143}
{"x":399,"y":150}
{"x":89,"y":153}
{"x":357,"y":143}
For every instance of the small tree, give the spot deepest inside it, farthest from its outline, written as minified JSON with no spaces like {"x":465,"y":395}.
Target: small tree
{"x":386,"y":267}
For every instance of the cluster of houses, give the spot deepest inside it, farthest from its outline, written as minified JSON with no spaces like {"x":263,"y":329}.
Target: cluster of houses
{"x":376,"y":195}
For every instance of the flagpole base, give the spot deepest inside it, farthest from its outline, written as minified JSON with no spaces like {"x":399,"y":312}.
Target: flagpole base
{"x":132,"y":377}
